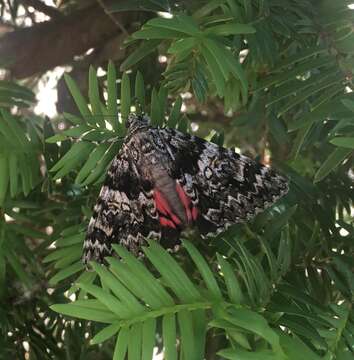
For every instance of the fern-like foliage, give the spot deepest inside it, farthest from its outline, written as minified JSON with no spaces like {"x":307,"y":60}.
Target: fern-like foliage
{"x":211,"y":305}
{"x":134,"y":301}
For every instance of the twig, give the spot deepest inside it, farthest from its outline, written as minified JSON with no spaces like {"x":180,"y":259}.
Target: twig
{"x":120,"y":26}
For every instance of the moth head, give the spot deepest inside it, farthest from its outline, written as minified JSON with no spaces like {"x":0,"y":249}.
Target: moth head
{"x":135,"y":121}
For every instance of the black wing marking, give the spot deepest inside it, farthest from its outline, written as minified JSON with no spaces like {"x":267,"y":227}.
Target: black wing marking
{"x":124,"y":214}
{"x":230,"y":188}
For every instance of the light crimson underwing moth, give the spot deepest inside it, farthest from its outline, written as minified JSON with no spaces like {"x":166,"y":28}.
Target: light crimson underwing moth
{"x":163,"y":181}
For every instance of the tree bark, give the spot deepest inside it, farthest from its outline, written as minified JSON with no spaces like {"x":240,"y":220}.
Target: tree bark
{"x":36,"y":49}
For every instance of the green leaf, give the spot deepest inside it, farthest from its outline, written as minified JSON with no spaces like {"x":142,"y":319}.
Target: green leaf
{"x":77,"y":131}
{"x":13,"y":175}
{"x":149,"y":330}
{"x":199,"y":90}
{"x":159,"y":296}
{"x":140,"y":90}
{"x":91,"y":163}
{"x":183,"y":124}
{"x":180,"y":23}
{"x":200,"y":332}
{"x":182,"y":45}
{"x":238,"y":354}
{"x":94,"y":96}
{"x":236,"y":69}
{"x":4,"y":178}
{"x":331,"y":163}
{"x":105,"y":333}
{"x":299,"y":85}
{"x":204,"y":269}
{"x":75,"y":120}
{"x":85,"y":277}
{"x":172,"y":273}
{"x":74,"y":152}
{"x":17,"y":267}
{"x":232,"y":330}
{"x":232,"y":284}
{"x":218,"y":55}
{"x":111,"y":302}
{"x":175,"y":113}
{"x":300,"y":56}
{"x":216,"y":73}
{"x":255,"y":323}
{"x":346,"y":142}
{"x":12,"y":89}
{"x":293,"y":346}
{"x":135,"y":342}
{"x":280,"y":221}
{"x":254,"y":277}
{"x":118,"y":289}
{"x":279,"y":78}
{"x":155,"y":33}
{"x":349,"y":104}
{"x":112,"y":108}
{"x":25,"y":168}
{"x":169,"y":336}
{"x":102,"y":165}
{"x":162,"y":97}
{"x":83,"y":312}
{"x":302,"y":327}
{"x":72,"y":230}
{"x":278,"y":130}
{"x":73,"y":158}
{"x":284,"y":251}
{"x":207,"y":8}
{"x":189,"y":24}
{"x":56,"y":138}
{"x":303,"y":297}
{"x":64,"y":262}
{"x":300,"y":140}
{"x":156,"y":111}
{"x":133,"y":282}
{"x":326,"y":96}
{"x":121,"y":347}
{"x":65,"y":273}
{"x":12,"y":129}
{"x":2,"y":269}
{"x":79,"y":99}
{"x":142,"y":51}
{"x":187,"y":335}
{"x":125,"y":101}
{"x":310,"y":91}
{"x":231,"y":29}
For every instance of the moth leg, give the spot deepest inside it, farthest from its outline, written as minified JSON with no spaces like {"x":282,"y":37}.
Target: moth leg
{"x":191,"y":211}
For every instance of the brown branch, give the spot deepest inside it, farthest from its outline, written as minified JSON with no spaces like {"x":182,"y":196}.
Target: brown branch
{"x":43,"y":8}
{"x":33,"y":50}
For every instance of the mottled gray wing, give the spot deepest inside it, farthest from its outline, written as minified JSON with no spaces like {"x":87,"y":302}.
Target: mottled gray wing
{"x":125,"y":212}
{"x":229,"y":188}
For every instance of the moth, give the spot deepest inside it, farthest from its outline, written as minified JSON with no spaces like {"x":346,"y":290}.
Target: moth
{"x":163,"y":181}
